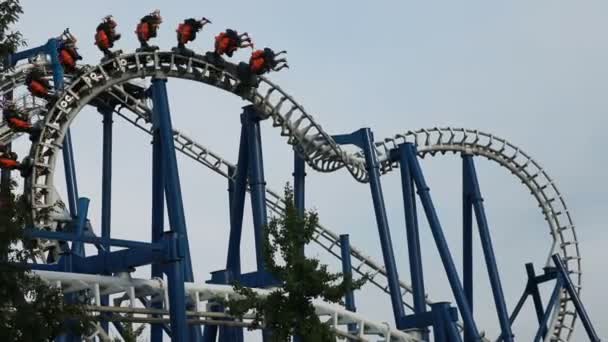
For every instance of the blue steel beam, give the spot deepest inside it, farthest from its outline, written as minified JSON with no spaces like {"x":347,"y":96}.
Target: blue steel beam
{"x":106,"y":189}
{"x":347,"y":271}
{"x":158,"y":217}
{"x":70,"y":173}
{"x":486,"y":243}
{"x":567,"y":282}
{"x":467,"y":244}
{"x":545,"y":319}
{"x":442,"y":246}
{"x":257,"y":182}
{"x":178,"y":261}
{"x":237,"y":205}
{"x":413,"y":235}
{"x":81,"y":220}
{"x":299,"y":187}
{"x":61,"y":236}
{"x":106,"y":174}
{"x":363,"y":138}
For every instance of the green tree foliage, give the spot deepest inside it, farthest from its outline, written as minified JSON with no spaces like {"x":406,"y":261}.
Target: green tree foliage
{"x":289,"y":310}
{"x":30,"y":309}
{"x":10,"y":40}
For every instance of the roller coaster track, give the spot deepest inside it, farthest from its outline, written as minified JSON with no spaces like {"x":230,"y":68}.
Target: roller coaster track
{"x":321,"y":152}
{"x":155,"y":290}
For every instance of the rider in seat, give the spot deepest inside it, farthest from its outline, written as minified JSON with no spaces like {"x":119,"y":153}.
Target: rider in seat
{"x":148,"y":28}
{"x":16,"y":118}
{"x":226,"y":43}
{"x":38,"y":85}
{"x":68,"y":54}
{"x":261,"y":62}
{"x":186,"y":32}
{"x":8,"y":161}
{"x":106,"y":36}
{"x":264,"y":61}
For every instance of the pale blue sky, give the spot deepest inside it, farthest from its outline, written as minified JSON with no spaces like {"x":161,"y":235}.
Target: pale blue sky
{"x":532,"y":72}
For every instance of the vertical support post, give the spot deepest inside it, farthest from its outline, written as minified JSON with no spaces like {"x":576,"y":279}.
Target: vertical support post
{"x":552,"y":302}
{"x":488,"y":250}
{"x":532,"y":289}
{"x":106,"y":176}
{"x":106,"y":190}
{"x":70,"y":173}
{"x":68,"y":151}
{"x":413,"y":235}
{"x":578,"y":305}
{"x":231,"y":334}
{"x":257,"y":182}
{"x":81,"y":220}
{"x":382,"y":222}
{"x":442,"y":246}
{"x":177,"y":293}
{"x":158,"y":216}
{"x":439,"y":324}
{"x":237,"y":206}
{"x":177,"y":273}
{"x":299,"y":188}
{"x":347,"y":272}
{"x":467,"y":245}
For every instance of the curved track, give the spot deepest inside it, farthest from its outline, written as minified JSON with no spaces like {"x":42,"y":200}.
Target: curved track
{"x":321,"y":151}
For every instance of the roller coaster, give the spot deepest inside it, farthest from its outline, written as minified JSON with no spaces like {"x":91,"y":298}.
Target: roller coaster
{"x":171,"y":303}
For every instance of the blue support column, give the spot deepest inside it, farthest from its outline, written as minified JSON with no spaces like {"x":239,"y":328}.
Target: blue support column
{"x":237,"y":206}
{"x":552,"y":302}
{"x":467,"y":245}
{"x":299,"y":188}
{"x":106,"y":176}
{"x":488,"y":250}
{"x":68,"y":151}
{"x":257,"y":183}
{"x":177,"y":272}
{"x":106,"y":189}
{"x":177,"y":294}
{"x":70,"y":173}
{"x":347,"y":271}
{"x":442,"y":246}
{"x":413,"y":235}
{"x":578,"y":305}
{"x":81,"y":220}
{"x":371,"y":160}
{"x":158,"y":218}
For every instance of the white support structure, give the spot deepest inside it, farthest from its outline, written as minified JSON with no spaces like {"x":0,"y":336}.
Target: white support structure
{"x":98,"y":285}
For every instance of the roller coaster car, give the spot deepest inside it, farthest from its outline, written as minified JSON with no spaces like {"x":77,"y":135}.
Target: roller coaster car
{"x":147,"y":29}
{"x":68,"y":53}
{"x":105,"y":36}
{"x":186,"y":32}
